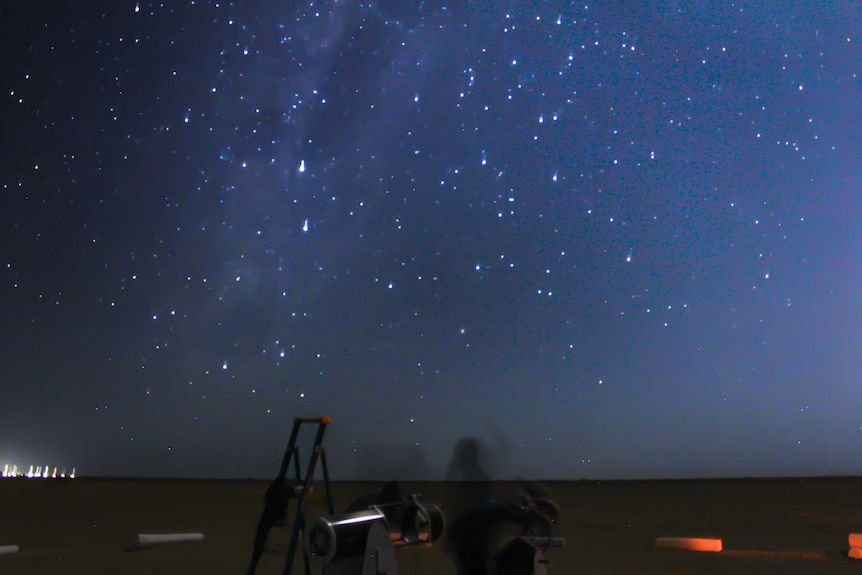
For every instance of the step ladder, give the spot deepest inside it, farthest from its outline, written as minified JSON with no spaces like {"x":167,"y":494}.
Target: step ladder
{"x":282,"y":490}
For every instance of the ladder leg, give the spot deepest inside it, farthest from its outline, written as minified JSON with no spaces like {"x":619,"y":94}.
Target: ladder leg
{"x":299,"y":525}
{"x":306,"y":490}
{"x":298,"y":528}
{"x":280,"y":490}
{"x":330,"y":506}
{"x":291,"y":446}
{"x":297,"y":471}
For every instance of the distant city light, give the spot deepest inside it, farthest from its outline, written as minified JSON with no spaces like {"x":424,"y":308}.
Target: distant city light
{"x":37,"y":472}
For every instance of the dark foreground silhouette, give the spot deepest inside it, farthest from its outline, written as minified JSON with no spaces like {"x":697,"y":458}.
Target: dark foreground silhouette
{"x":476,"y":536}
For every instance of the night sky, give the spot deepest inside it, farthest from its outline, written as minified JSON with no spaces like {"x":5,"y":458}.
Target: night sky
{"x":608,"y":240}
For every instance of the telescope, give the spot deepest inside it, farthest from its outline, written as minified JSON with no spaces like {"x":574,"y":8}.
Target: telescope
{"x":524,"y":554}
{"x":364,"y":542}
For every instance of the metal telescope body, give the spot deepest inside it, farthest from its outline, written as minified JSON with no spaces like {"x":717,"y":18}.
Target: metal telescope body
{"x":364,"y":542}
{"x":524,"y":554}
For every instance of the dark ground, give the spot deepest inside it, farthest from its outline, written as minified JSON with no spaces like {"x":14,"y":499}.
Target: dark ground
{"x":787,"y":526}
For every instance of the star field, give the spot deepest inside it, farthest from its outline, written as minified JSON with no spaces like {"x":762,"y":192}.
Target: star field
{"x":611,"y":242}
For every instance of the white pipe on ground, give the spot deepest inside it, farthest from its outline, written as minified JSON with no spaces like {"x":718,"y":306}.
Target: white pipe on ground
{"x":150,"y":539}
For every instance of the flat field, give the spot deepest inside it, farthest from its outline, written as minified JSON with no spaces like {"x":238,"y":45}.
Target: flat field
{"x":768,"y":526}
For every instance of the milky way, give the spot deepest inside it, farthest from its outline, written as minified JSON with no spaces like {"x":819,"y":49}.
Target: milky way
{"x":607,"y":242}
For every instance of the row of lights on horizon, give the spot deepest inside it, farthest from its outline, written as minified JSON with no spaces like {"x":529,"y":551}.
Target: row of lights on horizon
{"x":37,"y":472}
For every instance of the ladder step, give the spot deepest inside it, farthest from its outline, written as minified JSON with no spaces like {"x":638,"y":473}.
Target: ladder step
{"x":318,"y":420}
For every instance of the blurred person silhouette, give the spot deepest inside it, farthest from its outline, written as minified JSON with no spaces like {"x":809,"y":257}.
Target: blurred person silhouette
{"x":464,"y":465}
{"x":468,"y":482}
{"x":476,"y":460}
{"x":469,"y":471}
